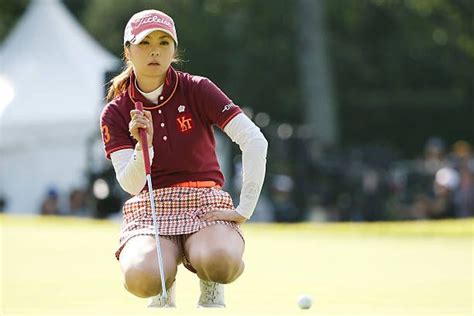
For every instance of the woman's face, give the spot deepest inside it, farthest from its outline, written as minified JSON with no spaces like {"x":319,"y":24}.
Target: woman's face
{"x":153,"y":55}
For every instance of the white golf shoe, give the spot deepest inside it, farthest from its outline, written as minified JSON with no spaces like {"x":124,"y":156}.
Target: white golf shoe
{"x":212,"y":294}
{"x":157,"y":301}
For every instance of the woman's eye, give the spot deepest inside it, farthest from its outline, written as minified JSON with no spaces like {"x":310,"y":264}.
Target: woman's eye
{"x":144,"y":42}
{"x":164,"y":42}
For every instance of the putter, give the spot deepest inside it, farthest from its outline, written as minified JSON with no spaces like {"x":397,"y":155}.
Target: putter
{"x":146,"y":158}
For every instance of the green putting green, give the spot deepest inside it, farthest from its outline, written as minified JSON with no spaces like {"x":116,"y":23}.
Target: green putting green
{"x":65,"y":266}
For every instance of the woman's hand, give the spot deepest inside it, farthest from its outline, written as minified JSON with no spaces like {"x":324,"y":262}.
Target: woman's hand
{"x":141,"y":120}
{"x":224,"y":215}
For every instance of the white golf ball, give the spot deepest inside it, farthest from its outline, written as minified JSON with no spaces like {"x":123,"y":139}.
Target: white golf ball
{"x":305,"y":301}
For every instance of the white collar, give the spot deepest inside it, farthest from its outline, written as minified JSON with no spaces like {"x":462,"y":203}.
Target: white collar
{"x":151,"y":96}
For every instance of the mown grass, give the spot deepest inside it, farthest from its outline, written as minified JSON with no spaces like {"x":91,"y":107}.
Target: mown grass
{"x":65,"y":266}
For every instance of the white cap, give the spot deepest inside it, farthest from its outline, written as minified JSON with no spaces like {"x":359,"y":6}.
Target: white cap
{"x":144,"y":22}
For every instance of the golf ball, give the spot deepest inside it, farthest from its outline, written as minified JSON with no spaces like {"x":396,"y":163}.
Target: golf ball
{"x":305,"y":301}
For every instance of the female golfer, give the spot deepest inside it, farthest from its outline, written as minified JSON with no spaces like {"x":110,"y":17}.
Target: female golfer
{"x":198,"y":223}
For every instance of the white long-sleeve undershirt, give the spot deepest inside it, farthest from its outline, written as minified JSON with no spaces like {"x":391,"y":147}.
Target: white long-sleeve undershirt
{"x":254,"y":147}
{"x":129,"y":166}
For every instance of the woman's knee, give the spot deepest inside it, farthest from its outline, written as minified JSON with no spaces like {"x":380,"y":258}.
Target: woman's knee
{"x":219,"y":264}
{"x":141,"y":282}
{"x":141,"y":271}
{"x":144,"y":280}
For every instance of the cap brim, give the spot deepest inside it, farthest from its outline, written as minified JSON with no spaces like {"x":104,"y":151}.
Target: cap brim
{"x":145,"y":33}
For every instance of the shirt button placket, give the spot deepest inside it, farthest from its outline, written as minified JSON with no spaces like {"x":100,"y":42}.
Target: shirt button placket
{"x":162,"y":124}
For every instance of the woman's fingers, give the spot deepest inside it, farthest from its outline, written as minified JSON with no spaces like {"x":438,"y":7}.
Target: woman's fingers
{"x":136,"y":115}
{"x":135,"y":112}
{"x":141,"y":123}
{"x":139,"y":120}
{"x":134,"y":125}
{"x":148,"y":115}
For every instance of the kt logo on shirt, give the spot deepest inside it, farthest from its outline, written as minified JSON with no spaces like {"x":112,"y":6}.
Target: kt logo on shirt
{"x":184,"y":122}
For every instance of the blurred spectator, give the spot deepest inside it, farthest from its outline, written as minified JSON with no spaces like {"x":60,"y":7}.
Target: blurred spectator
{"x":50,"y":205}
{"x":372,"y":197}
{"x":426,"y":191}
{"x":284,"y":208}
{"x":77,"y":203}
{"x":3,"y":203}
{"x":433,"y":156}
{"x":452,"y":187}
{"x":441,"y":203}
{"x":462,"y":159}
{"x":464,"y":195}
{"x":461,"y":155}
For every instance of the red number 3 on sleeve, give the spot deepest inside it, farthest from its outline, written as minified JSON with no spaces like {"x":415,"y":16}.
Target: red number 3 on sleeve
{"x":105,"y":133}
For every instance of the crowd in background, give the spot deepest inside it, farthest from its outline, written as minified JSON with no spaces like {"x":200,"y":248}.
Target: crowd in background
{"x":369,"y":183}
{"x":74,"y":205}
{"x":372,"y":183}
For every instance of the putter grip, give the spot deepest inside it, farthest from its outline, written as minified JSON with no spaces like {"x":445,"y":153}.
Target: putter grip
{"x":144,"y":141}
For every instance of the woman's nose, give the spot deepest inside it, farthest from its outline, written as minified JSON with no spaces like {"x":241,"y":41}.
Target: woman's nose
{"x":155,"y":52}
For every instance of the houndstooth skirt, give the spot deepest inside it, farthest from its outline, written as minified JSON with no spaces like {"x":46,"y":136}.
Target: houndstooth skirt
{"x":178,"y":212}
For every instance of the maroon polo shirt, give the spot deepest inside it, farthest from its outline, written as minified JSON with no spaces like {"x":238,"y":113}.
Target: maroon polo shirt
{"x":183,"y":139}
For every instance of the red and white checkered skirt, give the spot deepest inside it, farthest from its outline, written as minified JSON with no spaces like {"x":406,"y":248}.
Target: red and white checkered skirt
{"x":178,"y":212}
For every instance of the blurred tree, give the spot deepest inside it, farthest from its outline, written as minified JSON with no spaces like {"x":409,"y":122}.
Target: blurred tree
{"x":403,"y":69}
{"x":315,"y":71}
{"x":9,"y":13}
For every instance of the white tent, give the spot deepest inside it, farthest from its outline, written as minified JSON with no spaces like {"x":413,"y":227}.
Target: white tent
{"x":57,"y":74}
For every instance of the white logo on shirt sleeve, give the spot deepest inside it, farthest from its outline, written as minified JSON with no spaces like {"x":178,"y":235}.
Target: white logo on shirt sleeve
{"x":228,"y":107}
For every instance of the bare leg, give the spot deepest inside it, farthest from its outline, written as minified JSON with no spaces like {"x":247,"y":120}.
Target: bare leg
{"x":216,"y":253}
{"x":139,"y":264}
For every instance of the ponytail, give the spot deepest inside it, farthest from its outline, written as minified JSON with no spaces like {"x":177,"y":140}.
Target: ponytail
{"x":119,"y":83}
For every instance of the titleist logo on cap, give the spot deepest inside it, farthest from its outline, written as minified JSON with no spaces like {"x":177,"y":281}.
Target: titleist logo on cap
{"x":152,"y":19}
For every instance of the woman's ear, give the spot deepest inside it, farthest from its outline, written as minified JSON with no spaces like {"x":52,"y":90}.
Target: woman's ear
{"x":126,"y":52}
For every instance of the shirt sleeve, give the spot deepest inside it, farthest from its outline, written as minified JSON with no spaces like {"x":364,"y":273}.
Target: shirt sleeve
{"x":114,"y":129}
{"x":254,"y":148}
{"x":129,"y":167}
{"x":218,"y":108}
